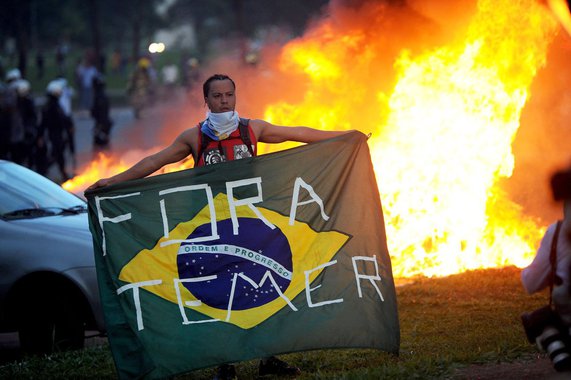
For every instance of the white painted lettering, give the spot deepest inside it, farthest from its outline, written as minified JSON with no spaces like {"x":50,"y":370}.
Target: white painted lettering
{"x":372,"y":279}
{"x":213,"y":225}
{"x":309,"y":289}
{"x":136,"y":299}
{"x":295,"y":203}
{"x":181,"y":305}
{"x":232,"y":203}
{"x":117,"y":219}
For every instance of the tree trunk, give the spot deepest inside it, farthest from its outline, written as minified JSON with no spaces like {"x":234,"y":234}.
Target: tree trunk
{"x":96,"y":35}
{"x":136,"y":25}
{"x":22,"y":36}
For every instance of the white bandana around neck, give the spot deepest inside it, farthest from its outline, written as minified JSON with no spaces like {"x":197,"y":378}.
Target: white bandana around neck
{"x":218,"y":126}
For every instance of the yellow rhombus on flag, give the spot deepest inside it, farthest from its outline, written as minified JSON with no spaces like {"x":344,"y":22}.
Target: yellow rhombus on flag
{"x":309,"y":250}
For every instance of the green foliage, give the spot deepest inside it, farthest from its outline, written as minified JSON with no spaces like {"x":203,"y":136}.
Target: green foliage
{"x":446,"y":324}
{"x":215,"y":19}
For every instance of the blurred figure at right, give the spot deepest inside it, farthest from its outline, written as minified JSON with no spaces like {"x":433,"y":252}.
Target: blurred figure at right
{"x":10,"y":131}
{"x":191,"y":73}
{"x":140,"y":86}
{"x":29,"y":119}
{"x":100,"y":114}
{"x":65,"y":102}
{"x":550,"y":326}
{"x":54,"y":131}
{"x":16,"y":136}
{"x":85,"y":72}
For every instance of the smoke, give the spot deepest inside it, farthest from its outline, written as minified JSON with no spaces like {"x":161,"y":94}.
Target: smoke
{"x":370,"y":36}
{"x":542,"y":143}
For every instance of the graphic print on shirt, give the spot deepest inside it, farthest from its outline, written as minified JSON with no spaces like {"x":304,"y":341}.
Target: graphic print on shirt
{"x":213,"y":156}
{"x":241,"y":151}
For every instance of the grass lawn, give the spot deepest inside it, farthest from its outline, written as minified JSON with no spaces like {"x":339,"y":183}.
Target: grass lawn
{"x":446,"y":324}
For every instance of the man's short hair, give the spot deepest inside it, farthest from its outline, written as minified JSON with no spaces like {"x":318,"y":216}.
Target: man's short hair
{"x":561,"y":185}
{"x":206,"y":85}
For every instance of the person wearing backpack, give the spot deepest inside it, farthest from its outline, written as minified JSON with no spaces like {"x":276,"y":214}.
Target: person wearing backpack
{"x":219,"y":138}
{"x":223,"y":136}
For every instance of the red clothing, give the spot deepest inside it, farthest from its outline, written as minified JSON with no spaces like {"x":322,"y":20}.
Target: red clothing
{"x":233,"y":148}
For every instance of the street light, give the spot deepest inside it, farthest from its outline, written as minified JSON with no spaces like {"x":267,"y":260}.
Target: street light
{"x":156,"y":47}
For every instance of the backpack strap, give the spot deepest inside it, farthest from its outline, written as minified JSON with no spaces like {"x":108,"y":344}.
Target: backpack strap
{"x":204,"y":140}
{"x":245,"y":134}
{"x":555,"y":279}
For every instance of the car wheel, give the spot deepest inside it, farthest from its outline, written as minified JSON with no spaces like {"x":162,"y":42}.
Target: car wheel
{"x":53,"y":324}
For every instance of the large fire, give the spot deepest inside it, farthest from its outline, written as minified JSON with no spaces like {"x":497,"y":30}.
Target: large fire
{"x":442,"y":122}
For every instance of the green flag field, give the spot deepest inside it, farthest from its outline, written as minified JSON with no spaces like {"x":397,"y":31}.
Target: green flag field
{"x":281,"y":253}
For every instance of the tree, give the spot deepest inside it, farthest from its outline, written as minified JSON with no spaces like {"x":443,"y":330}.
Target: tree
{"x":46,"y":23}
{"x":15,"y":23}
{"x":219,"y":18}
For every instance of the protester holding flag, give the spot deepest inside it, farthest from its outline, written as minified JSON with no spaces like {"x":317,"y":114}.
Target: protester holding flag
{"x":223,"y":136}
{"x":221,"y":129}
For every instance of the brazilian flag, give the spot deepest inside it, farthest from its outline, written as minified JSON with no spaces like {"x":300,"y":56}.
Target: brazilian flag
{"x":245,"y":259}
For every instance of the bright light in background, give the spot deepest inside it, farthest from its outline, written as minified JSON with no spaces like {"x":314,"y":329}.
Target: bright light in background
{"x":156,"y":47}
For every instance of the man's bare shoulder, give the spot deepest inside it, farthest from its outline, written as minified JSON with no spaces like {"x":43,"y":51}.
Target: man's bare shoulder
{"x":258,"y":123}
{"x":258,"y":126}
{"x":189,"y":134}
{"x":189,"y":137}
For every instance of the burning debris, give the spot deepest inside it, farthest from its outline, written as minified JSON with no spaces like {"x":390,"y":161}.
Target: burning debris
{"x":443,"y":104}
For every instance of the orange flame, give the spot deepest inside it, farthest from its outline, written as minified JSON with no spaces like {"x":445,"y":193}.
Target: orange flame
{"x":445,"y":148}
{"x":446,"y":139}
{"x":101,"y":167}
{"x":442,"y":129}
{"x":107,"y":165}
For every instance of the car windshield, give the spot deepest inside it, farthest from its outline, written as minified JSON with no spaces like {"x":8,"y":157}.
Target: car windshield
{"x":26,"y":194}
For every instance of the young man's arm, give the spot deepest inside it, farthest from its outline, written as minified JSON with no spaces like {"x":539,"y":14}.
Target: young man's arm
{"x":179,"y":149}
{"x":269,"y":133}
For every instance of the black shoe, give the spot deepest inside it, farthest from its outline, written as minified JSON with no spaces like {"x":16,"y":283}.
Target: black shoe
{"x":275,"y":366}
{"x":226,"y":372}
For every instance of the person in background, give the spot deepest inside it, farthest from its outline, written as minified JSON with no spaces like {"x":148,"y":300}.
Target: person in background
{"x":140,"y":86}
{"x":100,"y":114}
{"x":16,"y":136}
{"x":54,"y":130}
{"x":29,"y":119}
{"x":6,"y":106}
{"x":65,"y":102}
{"x":170,"y":79}
{"x":537,"y":275}
{"x":40,"y":64}
{"x":550,"y":327}
{"x":85,"y":72}
{"x":61,"y":56}
{"x":191,"y":73}
{"x":10,"y":131}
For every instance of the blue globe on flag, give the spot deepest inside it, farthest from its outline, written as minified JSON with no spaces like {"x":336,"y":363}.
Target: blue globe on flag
{"x":251,"y":254}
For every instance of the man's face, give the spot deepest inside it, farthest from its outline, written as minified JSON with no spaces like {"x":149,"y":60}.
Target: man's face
{"x":221,"y":96}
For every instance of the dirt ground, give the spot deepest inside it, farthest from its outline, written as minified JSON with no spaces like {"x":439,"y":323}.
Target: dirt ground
{"x":534,"y":368}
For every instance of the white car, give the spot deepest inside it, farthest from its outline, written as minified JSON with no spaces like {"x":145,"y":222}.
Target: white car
{"x":48,"y":282}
